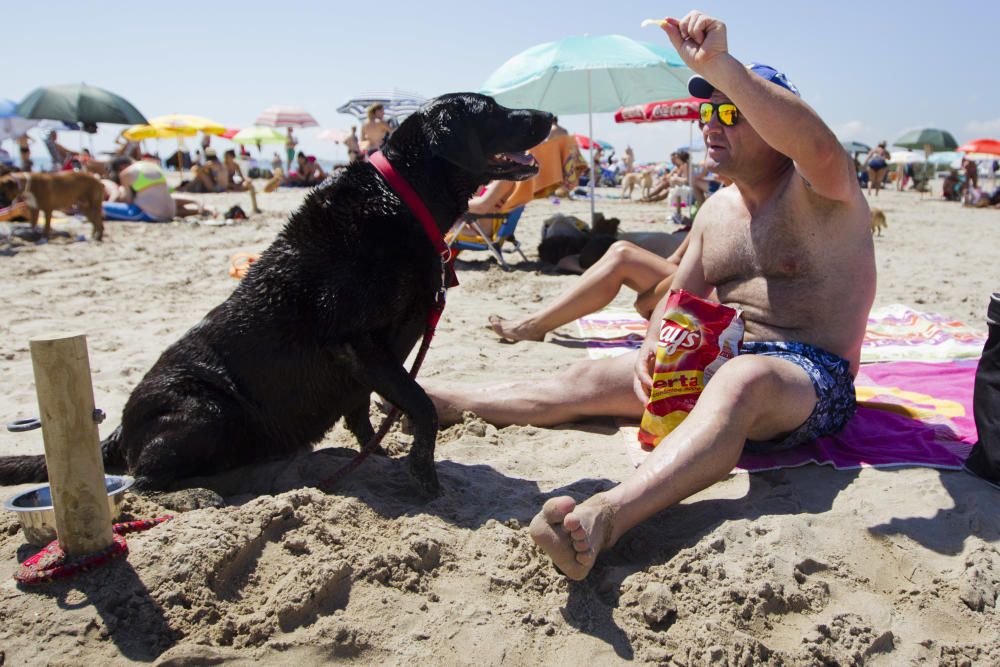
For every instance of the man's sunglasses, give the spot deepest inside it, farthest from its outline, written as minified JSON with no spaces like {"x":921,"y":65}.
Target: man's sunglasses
{"x":727,"y":112}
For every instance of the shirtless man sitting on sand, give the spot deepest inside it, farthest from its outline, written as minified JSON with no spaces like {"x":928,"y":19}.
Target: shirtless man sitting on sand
{"x":789,"y":244}
{"x":374,"y":129}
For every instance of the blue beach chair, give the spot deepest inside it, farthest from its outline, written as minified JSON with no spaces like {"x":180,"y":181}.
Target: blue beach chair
{"x":472,"y":234}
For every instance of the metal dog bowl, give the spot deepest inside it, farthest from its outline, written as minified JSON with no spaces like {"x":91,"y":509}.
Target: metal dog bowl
{"x":38,"y":519}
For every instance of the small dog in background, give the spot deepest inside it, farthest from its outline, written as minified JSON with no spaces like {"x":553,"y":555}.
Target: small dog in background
{"x":45,"y":193}
{"x":878,"y":221}
{"x":643,"y":179}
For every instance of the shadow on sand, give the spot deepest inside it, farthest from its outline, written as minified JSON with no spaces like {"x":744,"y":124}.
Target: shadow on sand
{"x":135,"y":623}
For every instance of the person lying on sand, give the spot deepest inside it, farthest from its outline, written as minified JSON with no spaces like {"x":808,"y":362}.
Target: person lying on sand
{"x":144,"y":184}
{"x":624,"y":264}
{"x":776,"y":246}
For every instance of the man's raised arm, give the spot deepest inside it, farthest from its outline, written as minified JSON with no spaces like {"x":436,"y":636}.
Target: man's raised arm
{"x":784,"y":121}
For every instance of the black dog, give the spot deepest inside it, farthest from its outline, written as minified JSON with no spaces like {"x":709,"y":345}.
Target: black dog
{"x":326,"y":316}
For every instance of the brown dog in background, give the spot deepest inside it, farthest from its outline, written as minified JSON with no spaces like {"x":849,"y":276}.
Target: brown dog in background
{"x":643,"y":179}
{"x":878,"y":221}
{"x":51,"y":192}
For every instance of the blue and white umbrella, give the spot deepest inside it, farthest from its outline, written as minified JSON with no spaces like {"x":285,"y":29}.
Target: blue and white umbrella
{"x":948,"y":158}
{"x":12,"y":125}
{"x":397,"y":104}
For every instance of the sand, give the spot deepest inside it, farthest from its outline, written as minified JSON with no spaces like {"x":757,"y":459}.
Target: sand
{"x":803,"y":566}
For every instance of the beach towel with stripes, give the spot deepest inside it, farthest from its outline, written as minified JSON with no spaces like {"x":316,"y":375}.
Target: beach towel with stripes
{"x":914,"y":392}
{"x":894,"y":333}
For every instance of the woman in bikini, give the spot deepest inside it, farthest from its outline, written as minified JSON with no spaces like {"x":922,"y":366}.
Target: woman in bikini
{"x":877,"y":164}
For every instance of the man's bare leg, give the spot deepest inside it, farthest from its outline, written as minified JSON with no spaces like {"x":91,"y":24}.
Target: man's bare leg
{"x":590,"y":388}
{"x":623,"y":264}
{"x":750,"y":397}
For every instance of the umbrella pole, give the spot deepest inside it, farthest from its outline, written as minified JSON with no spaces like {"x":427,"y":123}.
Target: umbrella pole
{"x":690,"y":169}
{"x":590,"y":134}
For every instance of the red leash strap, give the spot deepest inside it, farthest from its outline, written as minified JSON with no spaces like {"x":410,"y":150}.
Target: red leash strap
{"x":419,"y":209}
{"x":448,"y":279}
{"x":51,"y":562}
{"x":393,"y":415}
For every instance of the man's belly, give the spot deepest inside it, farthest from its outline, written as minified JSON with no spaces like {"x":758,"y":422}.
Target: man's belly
{"x":830,"y":322}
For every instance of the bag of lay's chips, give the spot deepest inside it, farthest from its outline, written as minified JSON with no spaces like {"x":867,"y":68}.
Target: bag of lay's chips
{"x":696,"y":338}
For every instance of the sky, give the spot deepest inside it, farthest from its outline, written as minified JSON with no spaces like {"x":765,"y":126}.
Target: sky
{"x":872,"y":70}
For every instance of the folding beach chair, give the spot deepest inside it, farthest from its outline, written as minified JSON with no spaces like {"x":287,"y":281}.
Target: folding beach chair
{"x":488,"y":232}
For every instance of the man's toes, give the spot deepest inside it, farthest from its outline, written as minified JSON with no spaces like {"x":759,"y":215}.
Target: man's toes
{"x":555,"y":509}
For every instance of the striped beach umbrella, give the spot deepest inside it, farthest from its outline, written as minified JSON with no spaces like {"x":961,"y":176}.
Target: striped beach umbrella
{"x":286,"y":117}
{"x":398,"y":104}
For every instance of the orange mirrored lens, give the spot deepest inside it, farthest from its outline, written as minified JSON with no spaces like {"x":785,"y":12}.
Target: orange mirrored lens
{"x":727,"y":114}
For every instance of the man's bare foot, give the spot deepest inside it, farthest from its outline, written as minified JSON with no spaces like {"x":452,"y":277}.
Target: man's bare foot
{"x":513,"y":331}
{"x":572,"y":535}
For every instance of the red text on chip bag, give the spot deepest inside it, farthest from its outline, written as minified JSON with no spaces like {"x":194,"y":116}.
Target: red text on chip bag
{"x":696,"y":338}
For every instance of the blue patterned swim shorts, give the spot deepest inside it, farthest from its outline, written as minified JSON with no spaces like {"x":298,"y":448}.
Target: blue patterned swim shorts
{"x":834,"y":385}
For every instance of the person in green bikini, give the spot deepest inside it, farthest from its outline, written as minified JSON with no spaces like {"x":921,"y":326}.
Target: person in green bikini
{"x":144,"y":184}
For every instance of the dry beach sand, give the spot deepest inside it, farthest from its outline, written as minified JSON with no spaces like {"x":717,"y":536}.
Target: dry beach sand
{"x":802,"y":566}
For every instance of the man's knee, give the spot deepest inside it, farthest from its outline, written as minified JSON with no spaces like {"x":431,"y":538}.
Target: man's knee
{"x":747,"y":380}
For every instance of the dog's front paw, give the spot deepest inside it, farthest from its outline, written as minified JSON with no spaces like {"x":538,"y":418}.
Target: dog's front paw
{"x":425,"y":477}
{"x":186,"y":500}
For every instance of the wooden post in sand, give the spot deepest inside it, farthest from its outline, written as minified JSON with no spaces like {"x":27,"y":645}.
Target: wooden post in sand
{"x":253,"y":198}
{"x":72,"y":448}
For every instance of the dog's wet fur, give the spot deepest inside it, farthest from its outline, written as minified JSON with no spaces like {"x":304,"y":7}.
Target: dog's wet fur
{"x":325,"y":317}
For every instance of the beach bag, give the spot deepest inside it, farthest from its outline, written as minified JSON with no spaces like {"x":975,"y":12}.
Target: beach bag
{"x":696,"y":337}
{"x":564,"y":225}
{"x":984,"y":460}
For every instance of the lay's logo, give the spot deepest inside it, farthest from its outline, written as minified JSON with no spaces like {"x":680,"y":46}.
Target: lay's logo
{"x":674,"y":337}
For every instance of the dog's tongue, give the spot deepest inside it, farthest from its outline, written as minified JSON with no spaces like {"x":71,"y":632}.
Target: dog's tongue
{"x":520,"y":158}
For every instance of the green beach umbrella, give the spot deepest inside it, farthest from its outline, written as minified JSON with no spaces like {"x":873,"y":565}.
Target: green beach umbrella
{"x":259,"y":135}
{"x":79,"y":103}
{"x":938,"y":140}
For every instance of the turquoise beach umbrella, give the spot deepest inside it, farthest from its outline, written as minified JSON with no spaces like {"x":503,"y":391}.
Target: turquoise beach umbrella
{"x":950,"y":158}
{"x":588,"y":74}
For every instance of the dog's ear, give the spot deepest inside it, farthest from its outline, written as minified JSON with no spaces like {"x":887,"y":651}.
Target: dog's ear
{"x":454,"y":140}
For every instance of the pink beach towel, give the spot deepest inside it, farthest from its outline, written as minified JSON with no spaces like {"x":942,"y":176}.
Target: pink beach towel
{"x":912,"y":412}
{"x":909,"y":414}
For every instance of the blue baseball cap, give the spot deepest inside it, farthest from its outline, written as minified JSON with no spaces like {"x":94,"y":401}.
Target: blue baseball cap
{"x":699,"y":87}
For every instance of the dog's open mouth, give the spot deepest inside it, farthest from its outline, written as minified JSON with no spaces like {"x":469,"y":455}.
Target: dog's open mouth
{"x":513,"y":166}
